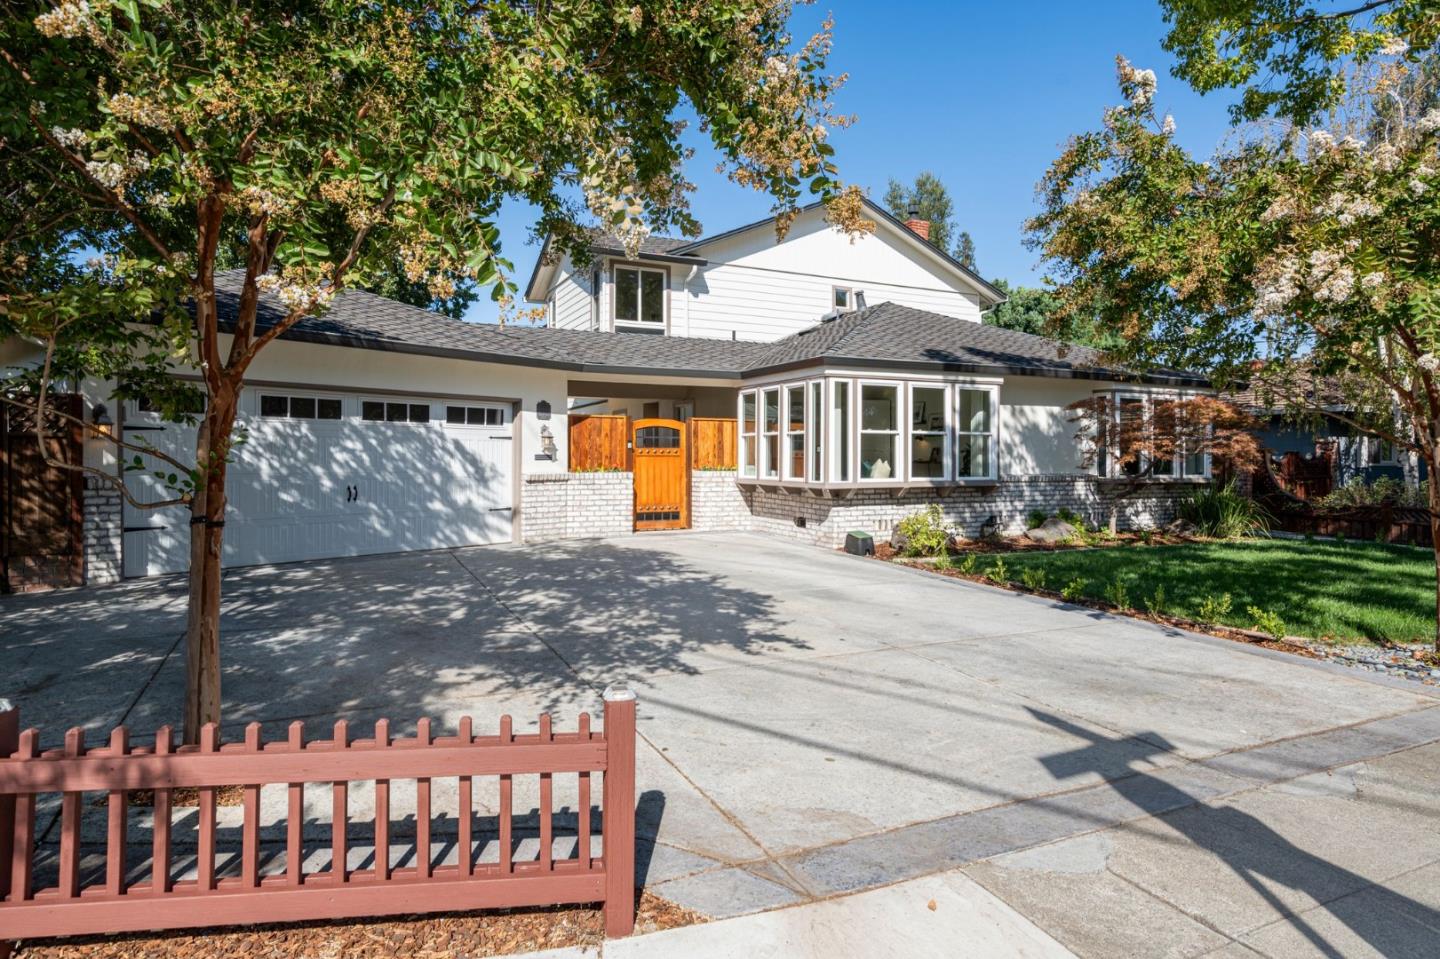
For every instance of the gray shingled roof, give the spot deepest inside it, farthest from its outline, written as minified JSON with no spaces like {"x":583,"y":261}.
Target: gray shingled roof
{"x":602,"y":242}
{"x":883,"y":336}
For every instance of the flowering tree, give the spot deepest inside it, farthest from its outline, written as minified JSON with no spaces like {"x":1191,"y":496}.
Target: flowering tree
{"x":1150,"y":440}
{"x":1311,"y":252}
{"x":319,"y":143}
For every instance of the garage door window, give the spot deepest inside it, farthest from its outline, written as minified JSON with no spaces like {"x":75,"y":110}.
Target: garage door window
{"x":474,"y":416}
{"x":299,"y":407}
{"x":376,"y":411}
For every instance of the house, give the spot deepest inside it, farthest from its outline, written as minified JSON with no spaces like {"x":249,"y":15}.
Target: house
{"x":860,"y":380}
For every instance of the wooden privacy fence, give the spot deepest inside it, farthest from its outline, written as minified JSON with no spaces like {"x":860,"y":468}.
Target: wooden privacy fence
{"x":114,"y":899}
{"x":712,"y":443}
{"x":599,"y":442}
{"x":1385,"y":523}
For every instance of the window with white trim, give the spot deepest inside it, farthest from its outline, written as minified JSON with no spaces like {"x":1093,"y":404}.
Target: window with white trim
{"x":638,"y":302}
{"x":840,"y":442}
{"x":457,"y":415}
{"x":770,"y":440}
{"x":749,"y":432}
{"x":929,"y":416}
{"x":391,"y":411}
{"x":814,"y":432}
{"x":975,"y":433}
{"x":278,"y":405}
{"x":1130,"y":409}
{"x":794,"y":445}
{"x":842,"y":298}
{"x":879,"y":431}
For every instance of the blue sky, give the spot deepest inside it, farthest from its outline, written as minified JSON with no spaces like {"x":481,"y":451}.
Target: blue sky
{"x":983,"y":94}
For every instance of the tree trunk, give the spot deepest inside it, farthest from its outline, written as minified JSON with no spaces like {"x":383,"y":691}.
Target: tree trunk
{"x":1434,"y":498}
{"x":207,"y":513}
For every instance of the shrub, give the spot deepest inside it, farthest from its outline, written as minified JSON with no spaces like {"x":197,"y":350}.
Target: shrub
{"x":1214,"y":608}
{"x":1384,"y":490}
{"x":1147,"y":536}
{"x":1267,"y":622}
{"x":1118,"y":594}
{"x":1155,"y":602}
{"x":925,"y":533}
{"x":967,"y":565}
{"x":1221,"y":512}
{"x":943,"y":561}
{"x":1074,"y":589}
{"x":1035,"y":518}
{"x":1033,"y":578}
{"x":998,"y":573}
{"x":1071,"y":517}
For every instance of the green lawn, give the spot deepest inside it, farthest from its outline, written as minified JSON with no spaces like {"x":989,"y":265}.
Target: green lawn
{"x":1343,"y":591}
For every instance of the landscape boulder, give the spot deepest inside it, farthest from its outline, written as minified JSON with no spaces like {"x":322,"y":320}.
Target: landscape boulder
{"x":1053,"y":530}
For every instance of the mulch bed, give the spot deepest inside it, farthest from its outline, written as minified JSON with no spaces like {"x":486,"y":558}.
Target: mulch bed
{"x":452,"y":936}
{"x":1019,"y":544}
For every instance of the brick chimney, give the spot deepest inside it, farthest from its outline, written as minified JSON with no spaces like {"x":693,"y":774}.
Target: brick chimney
{"x":921,"y":228}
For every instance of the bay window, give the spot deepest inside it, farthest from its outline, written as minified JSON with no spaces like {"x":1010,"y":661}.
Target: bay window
{"x":928,"y":418}
{"x":794,"y":432}
{"x":1136,"y":416}
{"x":748,"y":434}
{"x":770,"y":438}
{"x":840,"y":431}
{"x":813,"y":432}
{"x":879,"y":431}
{"x":975,"y":433}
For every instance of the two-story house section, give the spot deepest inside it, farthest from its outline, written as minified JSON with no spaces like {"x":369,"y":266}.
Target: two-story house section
{"x":743,"y":285}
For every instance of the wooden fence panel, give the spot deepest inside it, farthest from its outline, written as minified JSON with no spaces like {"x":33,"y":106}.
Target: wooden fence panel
{"x":110,"y":901}
{"x":599,"y":442}
{"x":712,"y":443}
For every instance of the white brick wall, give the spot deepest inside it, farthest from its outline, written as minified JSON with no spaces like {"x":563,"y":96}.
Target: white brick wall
{"x":576,"y":505}
{"x":584,"y":505}
{"x":102,"y":531}
{"x":716,"y":501}
{"x":827,"y":520}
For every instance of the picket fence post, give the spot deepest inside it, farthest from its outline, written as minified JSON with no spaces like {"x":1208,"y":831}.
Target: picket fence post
{"x":619,"y":813}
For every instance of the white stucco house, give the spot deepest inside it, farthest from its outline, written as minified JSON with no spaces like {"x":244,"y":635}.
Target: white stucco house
{"x":862,"y":380}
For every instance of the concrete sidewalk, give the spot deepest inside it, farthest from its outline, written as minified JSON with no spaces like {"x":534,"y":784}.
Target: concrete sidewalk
{"x":942,"y":916}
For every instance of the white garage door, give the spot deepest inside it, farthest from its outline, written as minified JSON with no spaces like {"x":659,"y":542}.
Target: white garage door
{"x":324,"y":475}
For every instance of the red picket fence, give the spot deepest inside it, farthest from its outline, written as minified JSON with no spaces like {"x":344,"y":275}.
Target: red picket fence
{"x":117,"y":904}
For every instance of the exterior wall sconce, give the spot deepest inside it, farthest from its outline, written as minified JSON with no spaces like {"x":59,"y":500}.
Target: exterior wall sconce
{"x":101,"y":421}
{"x":547,"y":442}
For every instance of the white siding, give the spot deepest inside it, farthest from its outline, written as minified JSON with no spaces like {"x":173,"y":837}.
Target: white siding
{"x":755,"y":289}
{"x":572,"y":292}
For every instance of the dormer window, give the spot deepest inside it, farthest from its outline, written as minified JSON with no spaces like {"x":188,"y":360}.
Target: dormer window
{"x":639,"y":300}
{"x":844,"y":297}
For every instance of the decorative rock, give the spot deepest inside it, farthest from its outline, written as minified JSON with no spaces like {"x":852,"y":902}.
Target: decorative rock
{"x":898,"y":541}
{"x":1053,"y":530}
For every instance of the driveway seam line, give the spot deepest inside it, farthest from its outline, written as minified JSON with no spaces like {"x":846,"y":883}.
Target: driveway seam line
{"x":725,"y":814}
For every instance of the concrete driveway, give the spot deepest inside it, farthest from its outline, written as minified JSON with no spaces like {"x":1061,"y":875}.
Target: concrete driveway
{"x":815,"y":724}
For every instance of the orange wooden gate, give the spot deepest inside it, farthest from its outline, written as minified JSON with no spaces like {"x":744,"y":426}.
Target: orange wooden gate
{"x":662,"y":475}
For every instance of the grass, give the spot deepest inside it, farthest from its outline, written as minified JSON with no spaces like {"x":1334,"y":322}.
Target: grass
{"x":1323,"y":590}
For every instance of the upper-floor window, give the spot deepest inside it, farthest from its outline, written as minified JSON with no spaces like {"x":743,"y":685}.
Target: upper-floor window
{"x":639,"y":300}
{"x":845,"y":299}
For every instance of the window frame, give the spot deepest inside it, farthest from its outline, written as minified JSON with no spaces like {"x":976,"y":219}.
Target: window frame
{"x":814,"y":431}
{"x":747,"y":440}
{"x":849,"y":292}
{"x":500,"y":408}
{"x":992,"y":475}
{"x":788,"y":435}
{"x":1109,"y":463}
{"x":290,"y":396}
{"x":389,"y":401}
{"x":897,"y":434}
{"x":840,"y":463}
{"x":638,"y":325}
{"x":763,"y":463}
{"x":945,"y":432}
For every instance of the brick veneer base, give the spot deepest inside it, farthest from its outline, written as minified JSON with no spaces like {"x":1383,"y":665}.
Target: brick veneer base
{"x":810,"y":517}
{"x":582,"y":505}
{"x":103,"y":532}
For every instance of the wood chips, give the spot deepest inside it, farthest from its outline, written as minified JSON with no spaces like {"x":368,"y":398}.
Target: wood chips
{"x":452,"y":936}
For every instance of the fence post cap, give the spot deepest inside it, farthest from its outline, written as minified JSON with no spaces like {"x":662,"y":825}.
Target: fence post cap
{"x":619,"y":694}
{"x":5,"y":705}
